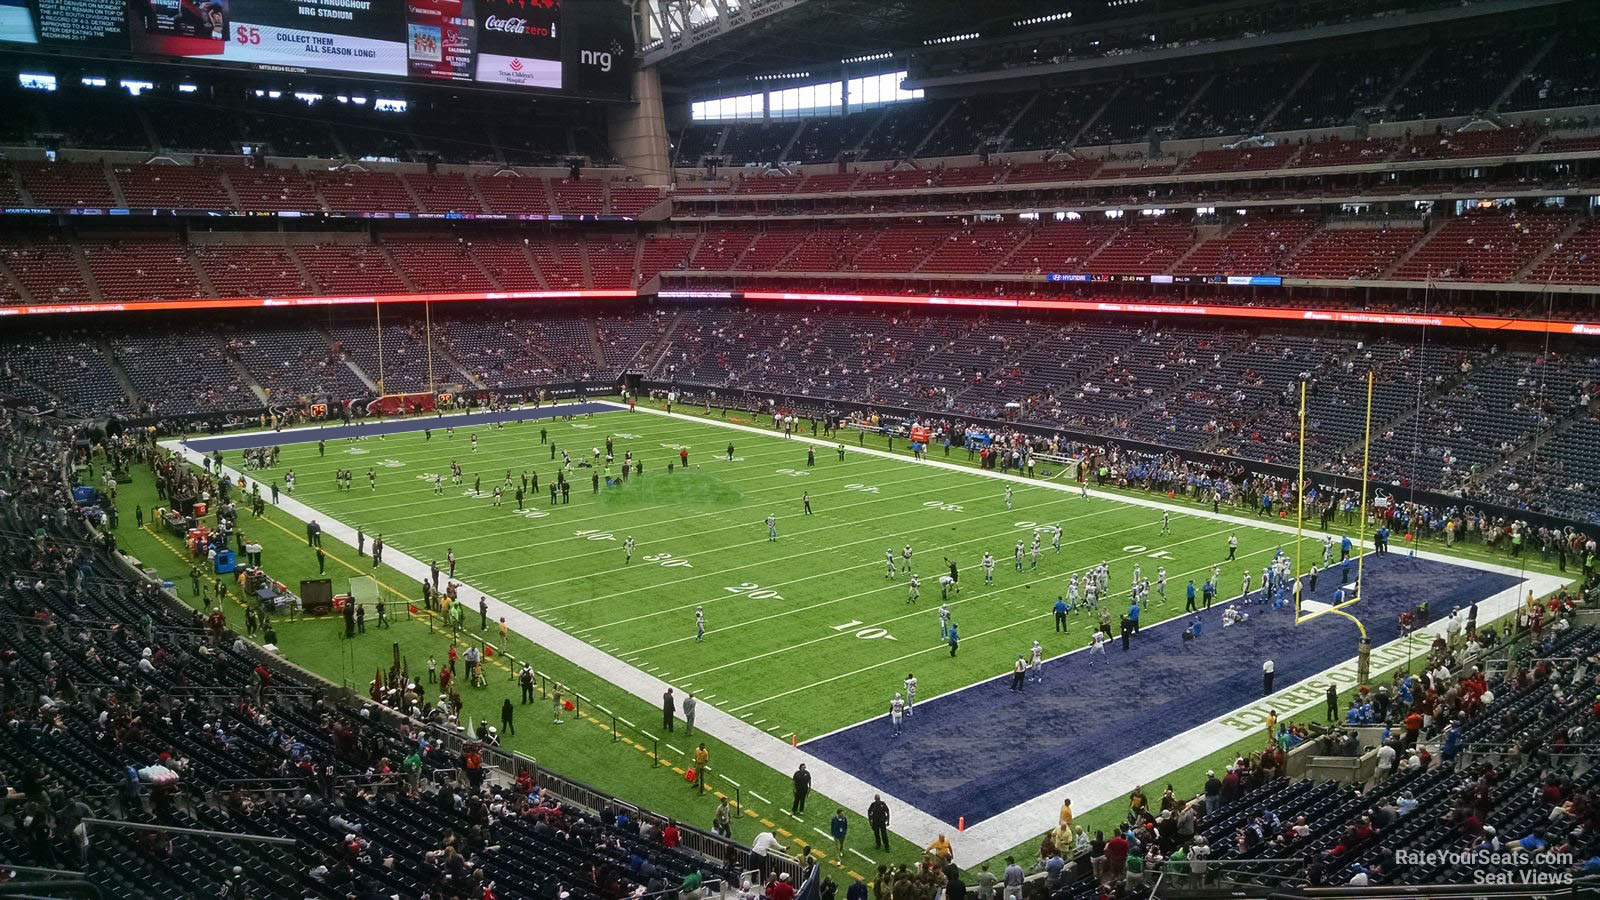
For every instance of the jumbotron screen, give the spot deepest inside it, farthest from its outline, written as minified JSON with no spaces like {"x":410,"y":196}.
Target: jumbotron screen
{"x":572,"y":46}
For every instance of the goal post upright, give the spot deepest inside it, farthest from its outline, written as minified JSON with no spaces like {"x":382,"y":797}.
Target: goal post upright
{"x":1340,"y":609}
{"x":1366,"y":461}
{"x":1300,"y":505}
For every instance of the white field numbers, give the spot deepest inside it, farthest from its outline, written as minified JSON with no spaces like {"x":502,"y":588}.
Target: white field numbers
{"x":794,"y":473}
{"x":862,"y":488}
{"x":866,"y":634}
{"x":754,"y":591}
{"x":941,"y":505}
{"x":591,"y":534}
{"x":667,"y":560}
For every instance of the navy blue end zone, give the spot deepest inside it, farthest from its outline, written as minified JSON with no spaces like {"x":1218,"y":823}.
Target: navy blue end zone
{"x":339,"y":432}
{"x":982,"y":750}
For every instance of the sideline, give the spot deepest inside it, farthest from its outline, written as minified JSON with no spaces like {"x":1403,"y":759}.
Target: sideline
{"x":1020,"y":823}
{"x":1028,"y":819}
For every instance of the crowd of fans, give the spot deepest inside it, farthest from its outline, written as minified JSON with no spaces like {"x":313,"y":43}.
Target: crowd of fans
{"x":122,"y":703}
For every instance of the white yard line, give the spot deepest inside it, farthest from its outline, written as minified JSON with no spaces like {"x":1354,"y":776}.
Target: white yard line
{"x":828,"y":573}
{"x":985,"y":839}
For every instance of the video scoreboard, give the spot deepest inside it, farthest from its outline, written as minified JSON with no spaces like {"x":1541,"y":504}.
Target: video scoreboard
{"x":582,"y":47}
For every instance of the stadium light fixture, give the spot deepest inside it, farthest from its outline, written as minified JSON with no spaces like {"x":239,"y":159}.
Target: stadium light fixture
{"x":951,"y":39}
{"x":36,"y":81}
{"x":93,"y":81}
{"x":781,"y":76}
{"x":274,"y":94}
{"x":307,"y":97}
{"x":188,"y":88}
{"x":1042,"y":20}
{"x":867,"y":57}
{"x":136,"y":87}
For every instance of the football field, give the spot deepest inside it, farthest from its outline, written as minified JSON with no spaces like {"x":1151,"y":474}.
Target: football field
{"x":809,"y":633}
{"x":805,"y":634}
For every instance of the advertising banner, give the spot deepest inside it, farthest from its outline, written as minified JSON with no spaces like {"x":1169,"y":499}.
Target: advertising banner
{"x":440,"y":38}
{"x":519,"y":43}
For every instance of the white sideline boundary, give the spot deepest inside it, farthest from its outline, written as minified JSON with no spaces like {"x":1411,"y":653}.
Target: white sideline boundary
{"x":1027,"y":819}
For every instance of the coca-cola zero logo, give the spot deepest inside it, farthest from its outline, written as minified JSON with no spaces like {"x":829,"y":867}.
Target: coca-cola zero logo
{"x":510,"y":24}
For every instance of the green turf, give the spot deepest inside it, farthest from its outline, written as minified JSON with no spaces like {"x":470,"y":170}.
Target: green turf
{"x":805,"y":634}
{"x":583,"y":748}
{"x":826,"y":570}
{"x":687,"y":489}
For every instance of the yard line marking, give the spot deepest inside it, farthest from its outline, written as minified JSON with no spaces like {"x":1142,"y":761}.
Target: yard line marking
{"x":429,"y":500}
{"x":748,"y":715}
{"x":822,"y":574}
{"x":758,"y":721}
{"x":626,"y":722}
{"x":732,"y":782}
{"x":1179,"y":619}
{"x":752,"y":525}
{"x":821,"y":832}
{"x":857,"y":596}
{"x":759,"y":797}
{"x":662,"y":675}
{"x":860,"y":854}
{"x":674,"y":749}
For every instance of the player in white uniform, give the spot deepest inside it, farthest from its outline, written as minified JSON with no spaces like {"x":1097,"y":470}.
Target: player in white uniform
{"x":944,"y":621}
{"x":1166,"y":522}
{"x":1072,"y":592}
{"x":905,"y":559}
{"x":1037,"y":670}
{"x":1008,"y":496}
{"x":1038,"y":546}
{"x":1161,"y":582}
{"x":915,"y":590}
{"x":1244,"y":592}
{"x":627,"y":549}
{"x":699,"y":624}
{"x":1055,"y":537}
{"x":988,"y":567}
{"x":1327,"y":550}
{"x":945,"y":583}
{"x":888,"y":563}
{"x":896,"y":706}
{"x":772,"y":527}
{"x":1016,"y":556}
{"x":1097,"y":645}
{"x":911,"y":693}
